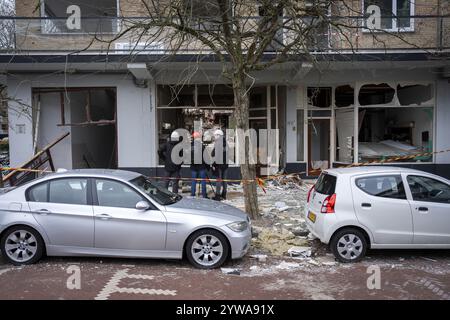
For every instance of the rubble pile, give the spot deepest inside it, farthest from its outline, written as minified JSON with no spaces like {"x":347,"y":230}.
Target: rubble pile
{"x":282,"y":224}
{"x":290,"y":181}
{"x":277,"y":241}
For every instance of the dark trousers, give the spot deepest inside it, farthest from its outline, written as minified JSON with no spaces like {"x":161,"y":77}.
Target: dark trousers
{"x":172,"y":174}
{"x":221,"y":186}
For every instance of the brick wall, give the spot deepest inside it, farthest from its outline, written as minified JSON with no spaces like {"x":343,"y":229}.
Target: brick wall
{"x":30,"y":36}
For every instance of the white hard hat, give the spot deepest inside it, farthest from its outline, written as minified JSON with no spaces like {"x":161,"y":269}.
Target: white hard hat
{"x":175,"y":136}
{"x":218,"y":132}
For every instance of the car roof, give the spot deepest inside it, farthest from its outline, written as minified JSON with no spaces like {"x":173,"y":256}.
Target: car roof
{"x":371,"y":169}
{"x":105,"y":173}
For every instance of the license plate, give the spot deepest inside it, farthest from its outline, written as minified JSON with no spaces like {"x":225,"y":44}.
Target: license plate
{"x":312,"y":216}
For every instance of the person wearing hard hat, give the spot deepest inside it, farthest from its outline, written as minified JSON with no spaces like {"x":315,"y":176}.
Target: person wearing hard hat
{"x":172,"y":169}
{"x":220,"y":164}
{"x":198,"y":165}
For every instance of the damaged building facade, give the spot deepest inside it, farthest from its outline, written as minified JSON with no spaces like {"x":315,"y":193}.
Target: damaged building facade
{"x":372,"y":102}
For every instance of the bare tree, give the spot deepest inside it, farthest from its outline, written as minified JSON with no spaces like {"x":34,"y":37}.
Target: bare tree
{"x":7,"y":25}
{"x":248,"y":36}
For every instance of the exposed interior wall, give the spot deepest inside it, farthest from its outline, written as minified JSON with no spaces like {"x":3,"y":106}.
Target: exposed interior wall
{"x":422,"y":119}
{"x":48,"y":131}
{"x":92,"y":146}
{"x":443,"y":120}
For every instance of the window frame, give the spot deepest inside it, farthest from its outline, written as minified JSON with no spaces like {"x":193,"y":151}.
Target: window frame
{"x":381,"y":175}
{"x":95,"y":194}
{"x":89,"y":198}
{"x":29,"y":189}
{"x":394,"y":18}
{"x":427,"y":177}
{"x":77,"y":33}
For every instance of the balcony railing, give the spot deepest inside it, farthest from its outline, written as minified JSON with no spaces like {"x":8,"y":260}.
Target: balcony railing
{"x":97,"y":34}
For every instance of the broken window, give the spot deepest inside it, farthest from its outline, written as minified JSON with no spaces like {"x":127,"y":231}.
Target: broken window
{"x":388,"y":133}
{"x":88,"y":114}
{"x":210,"y":106}
{"x":319,"y":97}
{"x":101,"y":16}
{"x":414,"y":94}
{"x":215,"y":95}
{"x":344,"y":96}
{"x":376,"y":94}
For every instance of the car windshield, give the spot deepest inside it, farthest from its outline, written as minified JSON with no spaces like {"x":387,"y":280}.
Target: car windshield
{"x":160,"y":195}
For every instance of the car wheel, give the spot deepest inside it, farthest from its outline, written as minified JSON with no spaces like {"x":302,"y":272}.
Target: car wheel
{"x":349,"y":245}
{"x":22,"y":245}
{"x":207,"y":249}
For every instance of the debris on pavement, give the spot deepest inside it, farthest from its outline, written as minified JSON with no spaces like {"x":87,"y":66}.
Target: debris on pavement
{"x":277,"y":241}
{"x":289,"y":181}
{"x":287,"y":265}
{"x":231,"y":271}
{"x":299,"y":251}
{"x":260,"y":257}
{"x":281,"y":206}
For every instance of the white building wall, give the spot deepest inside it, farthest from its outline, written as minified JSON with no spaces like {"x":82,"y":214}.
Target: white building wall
{"x":20,"y":125}
{"x":443,"y":120}
{"x":135,"y":115}
{"x":291,"y":123}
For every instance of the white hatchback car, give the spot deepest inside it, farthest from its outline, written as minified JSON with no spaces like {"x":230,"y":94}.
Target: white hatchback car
{"x":379,"y":207}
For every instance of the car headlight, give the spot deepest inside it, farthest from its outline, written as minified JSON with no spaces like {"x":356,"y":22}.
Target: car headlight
{"x":238,"y":226}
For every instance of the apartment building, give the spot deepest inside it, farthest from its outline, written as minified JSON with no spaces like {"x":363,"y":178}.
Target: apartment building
{"x":369,"y":96}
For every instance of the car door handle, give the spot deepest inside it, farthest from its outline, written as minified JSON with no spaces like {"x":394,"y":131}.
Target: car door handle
{"x":423,"y":209}
{"x":103,"y":216}
{"x":43,"y":212}
{"x":366,"y":205}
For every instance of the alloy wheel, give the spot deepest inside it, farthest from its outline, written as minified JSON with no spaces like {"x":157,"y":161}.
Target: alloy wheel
{"x":207,"y":250}
{"x":21,"y":246}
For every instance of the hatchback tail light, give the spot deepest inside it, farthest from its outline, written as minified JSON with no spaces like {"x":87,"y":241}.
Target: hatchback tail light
{"x":309,"y":194}
{"x":328,"y":204}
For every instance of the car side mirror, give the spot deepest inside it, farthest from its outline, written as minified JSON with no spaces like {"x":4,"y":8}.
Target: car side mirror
{"x":142,"y":205}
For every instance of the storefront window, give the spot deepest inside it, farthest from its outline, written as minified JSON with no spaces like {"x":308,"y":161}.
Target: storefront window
{"x":396,"y":134}
{"x":210,"y":107}
{"x":344,"y":96}
{"x":319,"y":97}
{"x":376,"y":94}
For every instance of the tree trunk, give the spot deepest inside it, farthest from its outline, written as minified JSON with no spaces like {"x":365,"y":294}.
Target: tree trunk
{"x":248,"y":170}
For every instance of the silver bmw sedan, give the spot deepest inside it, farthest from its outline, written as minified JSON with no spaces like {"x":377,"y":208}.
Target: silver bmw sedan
{"x":115,"y":213}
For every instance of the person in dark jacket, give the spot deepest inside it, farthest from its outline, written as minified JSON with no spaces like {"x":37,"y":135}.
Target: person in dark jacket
{"x":172,"y":169}
{"x":220,"y":164}
{"x":198,"y":165}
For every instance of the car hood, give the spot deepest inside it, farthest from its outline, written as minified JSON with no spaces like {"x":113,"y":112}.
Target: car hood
{"x":206,"y":207}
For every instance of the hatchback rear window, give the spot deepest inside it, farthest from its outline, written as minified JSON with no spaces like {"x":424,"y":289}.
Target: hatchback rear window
{"x":326,"y":184}
{"x":382,"y":186}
